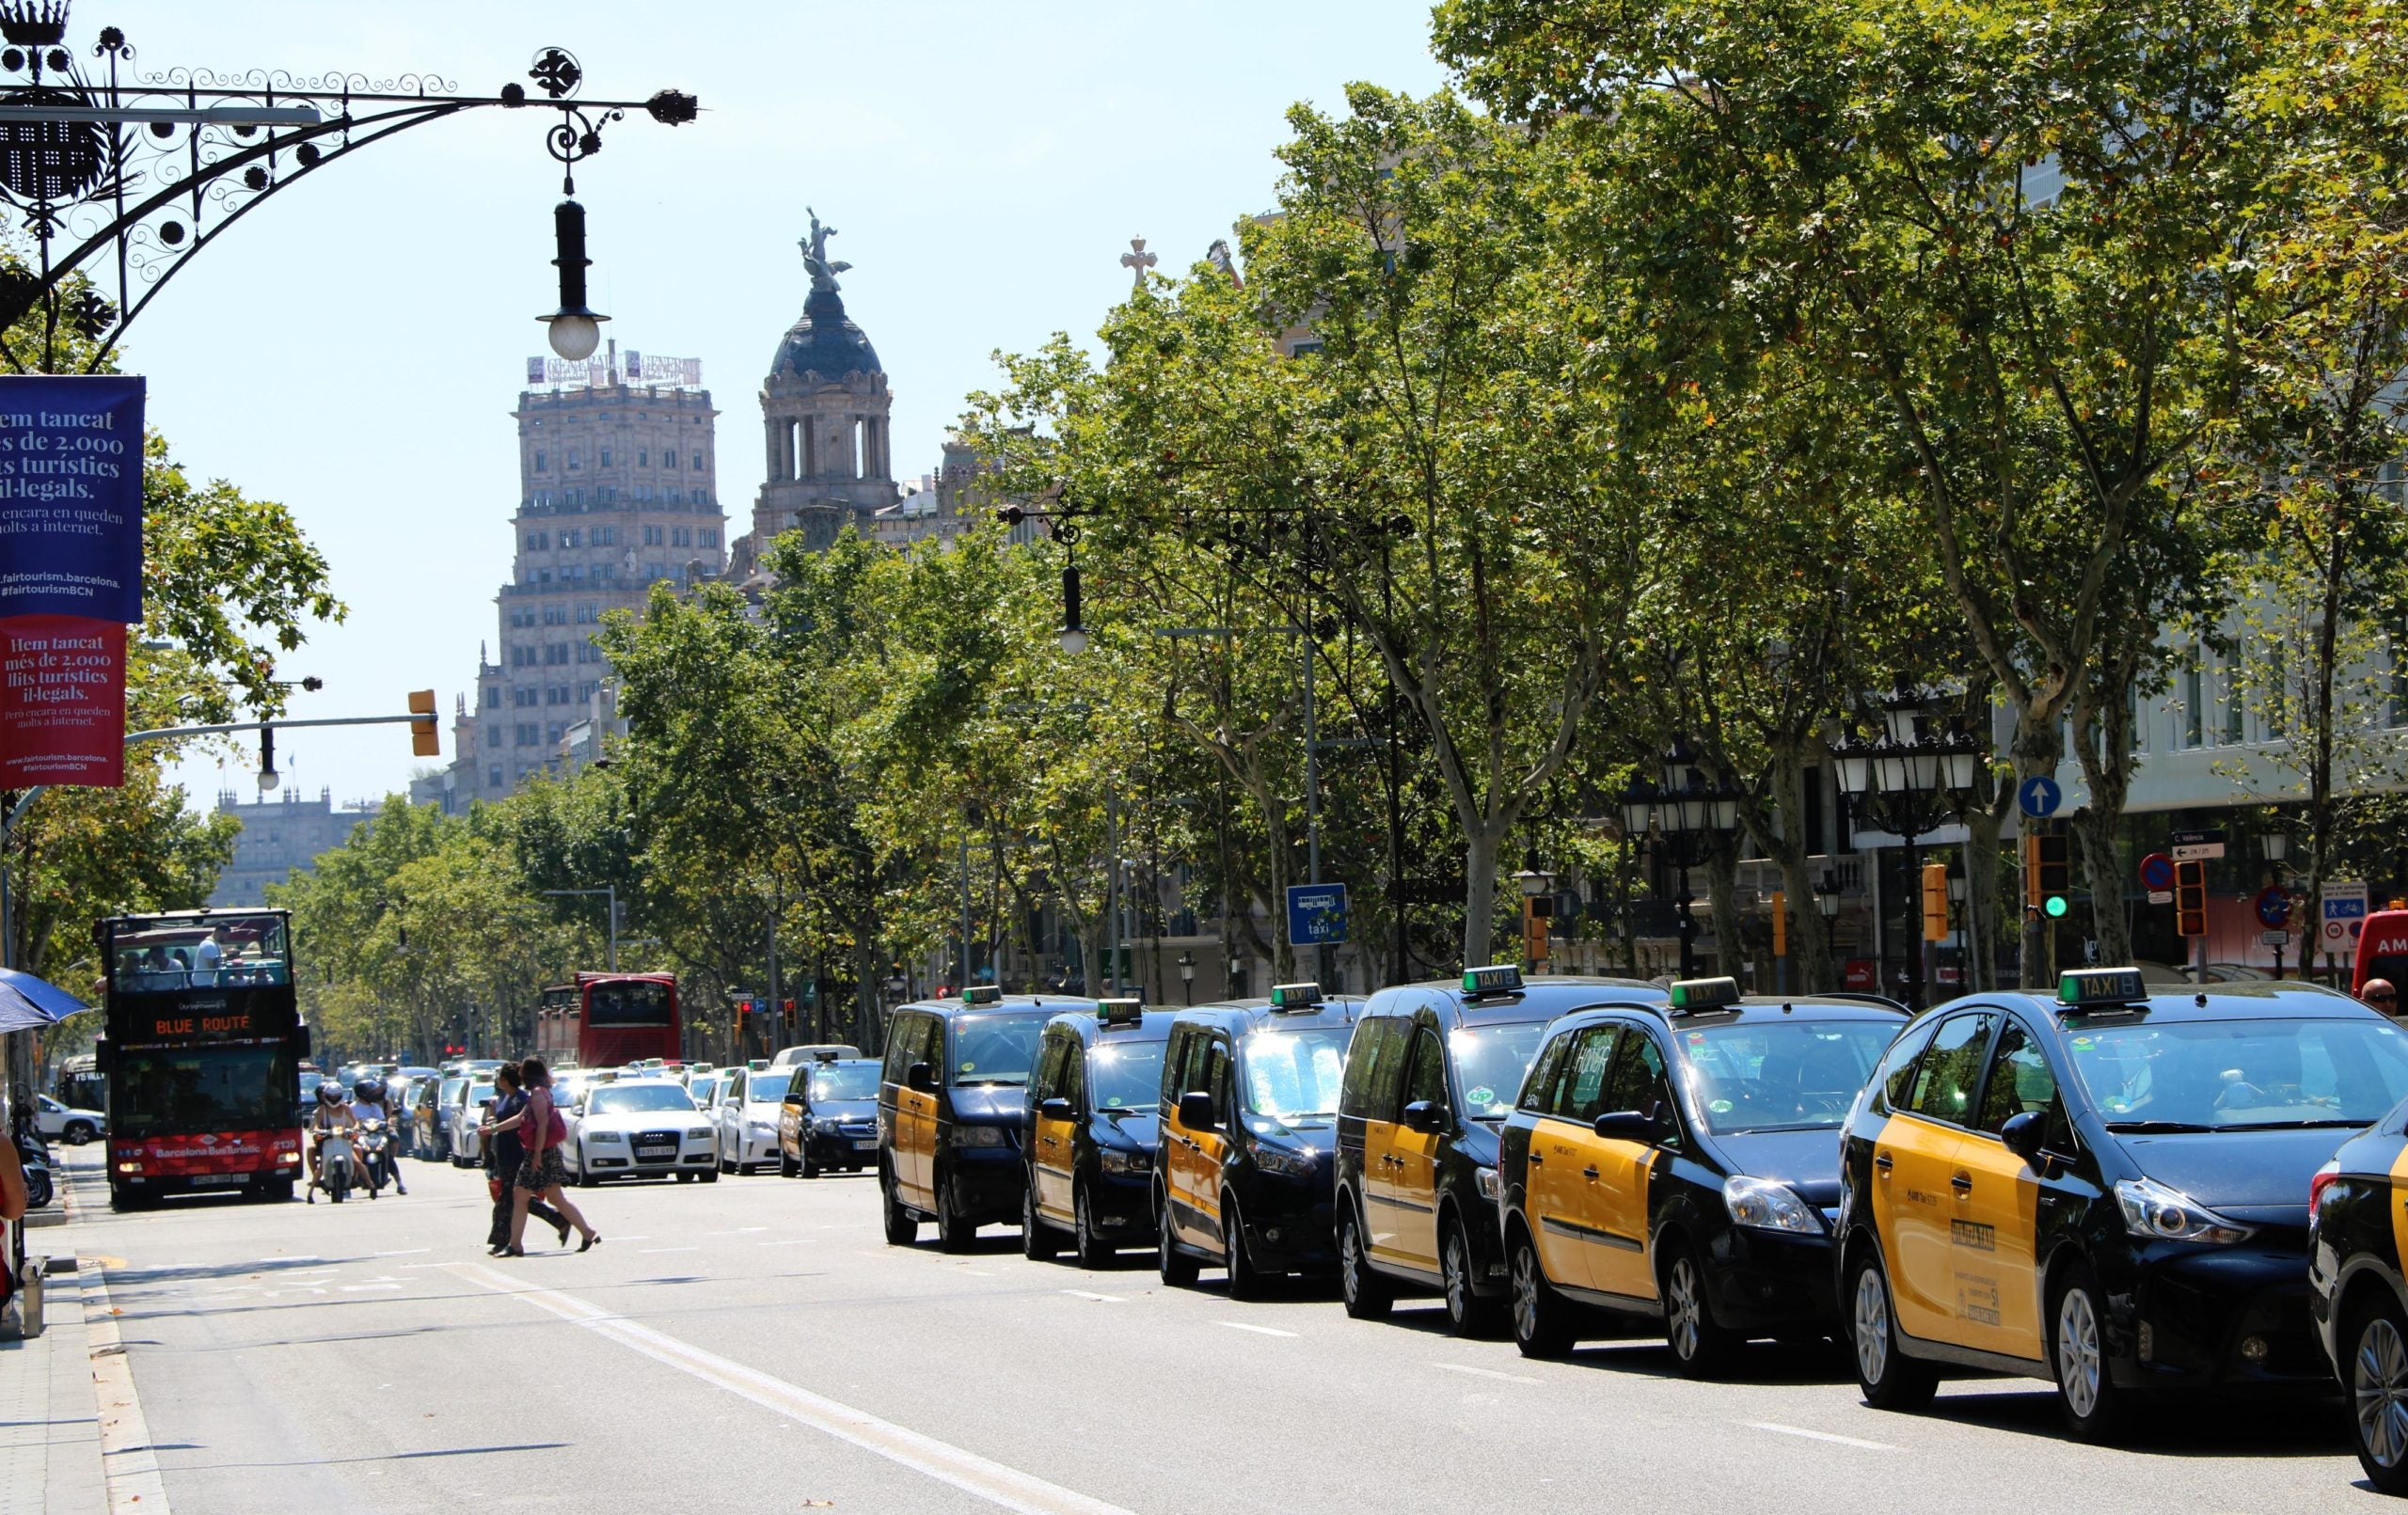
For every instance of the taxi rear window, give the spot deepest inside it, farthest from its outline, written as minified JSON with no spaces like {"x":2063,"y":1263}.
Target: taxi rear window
{"x":2237,"y":1075}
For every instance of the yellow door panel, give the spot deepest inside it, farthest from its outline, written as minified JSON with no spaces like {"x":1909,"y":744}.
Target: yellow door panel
{"x":1379,"y":1215}
{"x":915,"y":1146}
{"x":1913,"y":1208}
{"x":1053,"y":1139}
{"x":1416,"y":1179}
{"x":2399,"y":1203}
{"x":1615,"y":1214}
{"x":1555,"y":1195}
{"x":1991,"y":1237}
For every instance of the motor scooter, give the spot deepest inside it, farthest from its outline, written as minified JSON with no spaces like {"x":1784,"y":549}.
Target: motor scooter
{"x":33,"y":1155}
{"x":375,"y":1154}
{"x":336,"y":1171}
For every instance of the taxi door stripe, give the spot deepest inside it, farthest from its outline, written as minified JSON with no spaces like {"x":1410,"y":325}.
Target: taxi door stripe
{"x":1591,"y":1233}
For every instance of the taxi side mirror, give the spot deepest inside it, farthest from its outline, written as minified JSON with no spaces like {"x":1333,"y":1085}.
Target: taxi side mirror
{"x":1424,"y":1117}
{"x":1628,"y":1125}
{"x":1057,"y":1109}
{"x":1196,"y":1110}
{"x":2024,"y":1133}
{"x":920,"y":1077}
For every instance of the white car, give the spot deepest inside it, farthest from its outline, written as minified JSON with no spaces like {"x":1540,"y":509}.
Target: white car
{"x":70,"y":1126}
{"x":746,"y":1114}
{"x":639,"y":1127}
{"x":466,"y":1113}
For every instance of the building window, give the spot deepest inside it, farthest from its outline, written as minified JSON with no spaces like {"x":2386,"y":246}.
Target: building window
{"x":587,"y":613}
{"x":493,"y":777}
{"x":2235,"y":700}
{"x":573,"y":460}
{"x":605,"y":536}
{"x":555,"y":653}
{"x":588,"y":653}
{"x":652,"y":536}
{"x":644,"y":458}
{"x":539,"y":461}
{"x":668,"y":459}
{"x":493,"y":694}
{"x":707,"y":537}
{"x":698,"y":462}
{"x":526,"y":734}
{"x":568,"y":539}
{"x":606,"y":457}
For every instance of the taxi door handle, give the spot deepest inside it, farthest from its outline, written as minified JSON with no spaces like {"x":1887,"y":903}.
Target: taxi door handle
{"x":1962,"y":1183}
{"x":1536,"y":1161}
{"x":1590,"y":1173}
{"x":1881,"y":1160}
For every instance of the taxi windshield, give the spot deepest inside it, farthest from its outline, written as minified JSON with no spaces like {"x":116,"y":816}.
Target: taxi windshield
{"x":847,"y":1081}
{"x":1126,"y":1075}
{"x":1779,"y":1075}
{"x":995,"y":1049}
{"x":1490,"y":1061}
{"x":1292,"y":1074}
{"x":2241,"y":1075}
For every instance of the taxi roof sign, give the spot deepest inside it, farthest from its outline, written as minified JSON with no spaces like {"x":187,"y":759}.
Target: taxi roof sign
{"x":827,"y":1054}
{"x":1120,"y":1012}
{"x":759,"y":1065}
{"x":1496,"y":978}
{"x":2081,"y":987}
{"x":1691,"y":994}
{"x":1294,"y":996}
{"x":983,"y":994}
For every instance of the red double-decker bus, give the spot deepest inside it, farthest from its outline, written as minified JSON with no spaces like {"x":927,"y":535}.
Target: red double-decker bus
{"x":200,"y":1055}
{"x":606,"y":1020}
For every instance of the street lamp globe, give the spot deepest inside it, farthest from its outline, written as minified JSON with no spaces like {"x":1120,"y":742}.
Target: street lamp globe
{"x":1074,"y":639}
{"x":575,"y":334}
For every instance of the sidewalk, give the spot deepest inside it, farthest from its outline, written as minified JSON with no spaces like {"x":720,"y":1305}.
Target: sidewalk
{"x":50,"y":1427}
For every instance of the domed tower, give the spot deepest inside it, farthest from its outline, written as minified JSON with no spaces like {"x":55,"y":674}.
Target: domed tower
{"x":824,"y":411}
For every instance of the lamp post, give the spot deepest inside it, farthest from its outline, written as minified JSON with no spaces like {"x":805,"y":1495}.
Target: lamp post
{"x":1186,"y":976}
{"x":1908,"y":781}
{"x":2276,"y":846}
{"x":1683,"y":810}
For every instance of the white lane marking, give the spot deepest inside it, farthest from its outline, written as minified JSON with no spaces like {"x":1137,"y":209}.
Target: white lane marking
{"x":1099,"y":1299}
{"x":655,"y":1250}
{"x":967,"y":1471}
{"x":402,"y":1252}
{"x":800,"y":1242}
{"x":1483,"y":1372}
{"x":1261,"y":1331}
{"x":1816,"y":1436}
{"x":364,"y":1288}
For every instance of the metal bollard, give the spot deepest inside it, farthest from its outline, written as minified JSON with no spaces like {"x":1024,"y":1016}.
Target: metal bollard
{"x":29,"y":1298}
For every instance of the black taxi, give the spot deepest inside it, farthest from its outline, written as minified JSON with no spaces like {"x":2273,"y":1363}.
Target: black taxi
{"x":2357,"y":1279}
{"x":1093,"y":1120}
{"x":1680,"y":1161}
{"x":1243,"y":1164}
{"x":829,"y":1119}
{"x":952,"y":1110}
{"x":2107,"y":1190}
{"x":1431,"y":1075}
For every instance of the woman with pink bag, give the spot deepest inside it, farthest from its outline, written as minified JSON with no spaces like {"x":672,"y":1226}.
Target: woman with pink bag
{"x":542,"y":1175}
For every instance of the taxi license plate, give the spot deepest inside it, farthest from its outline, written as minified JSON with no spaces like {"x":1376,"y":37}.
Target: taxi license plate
{"x":221,"y":1178}
{"x":864,"y":1143}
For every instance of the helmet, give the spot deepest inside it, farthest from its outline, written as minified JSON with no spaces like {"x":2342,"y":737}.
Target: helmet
{"x":329,"y":1094}
{"x":2379,"y":993}
{"x":369,"y":1090}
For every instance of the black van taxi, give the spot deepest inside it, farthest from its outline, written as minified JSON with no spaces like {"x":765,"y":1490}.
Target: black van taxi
{"x":1431,"y":1075}
{"x":1249,"y":1090}
{"x":2357,"y":1280}
{"x":1093,"y":1120}
{"x":952,"y":1108}
{"x":2107,"y":1190}
{"x":829,"y":1119}
{"x":1680,"y":1161}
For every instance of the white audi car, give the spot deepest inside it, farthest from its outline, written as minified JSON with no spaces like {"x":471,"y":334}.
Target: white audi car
{"x":746,"y":1114}
{"x":639,"y":1129}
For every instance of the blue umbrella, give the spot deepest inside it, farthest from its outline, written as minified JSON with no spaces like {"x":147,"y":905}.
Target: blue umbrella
{"x":28,"y":1003}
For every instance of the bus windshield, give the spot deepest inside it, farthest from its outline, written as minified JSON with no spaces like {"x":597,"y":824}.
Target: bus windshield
{"x":628,"y":1003}
{"x":185,"y":1090}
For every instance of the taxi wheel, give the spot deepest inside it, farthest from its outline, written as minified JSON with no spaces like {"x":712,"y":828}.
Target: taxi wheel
{"x":1178,"y":1269}
{"x":788,"y":1167}
{"x":1888,"y":1377}
{"x":1037,"y":1243}
{"x":954,"y":1234}
{"x":1701,"y":1348}
{"x":1542,"y":1318}
{"x":1246,"y":1280}
{"x":2094,"y":1407}
{"x":2378,"y":1377}
{"x":1468,"y":1314}
{"x":1094,"y":1252}
{"x":901,"y":1229}
{"x":1366,"y":1294}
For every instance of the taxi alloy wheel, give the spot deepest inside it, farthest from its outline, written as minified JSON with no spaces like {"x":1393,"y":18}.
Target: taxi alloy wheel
{"x":1093,"y":1251}
{"x":1889,"y":1379}
{"x":788,"y":1167}
{"x":1178,"y":1269}
{"x":1468,"y":1314}
{"x":1701,"y":1348}
{"x":1366,"y":1294}
{"x":1037,"y":1240}
{"x":901,"y":1229}
{"x":2086,"y":1391}
{"x":1542,"y":1318}
{"x":2379,"y":1396}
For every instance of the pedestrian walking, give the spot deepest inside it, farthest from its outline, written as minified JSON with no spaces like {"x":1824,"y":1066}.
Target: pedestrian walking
{"x":505,"y":1154}
{"x":541,"y":1172}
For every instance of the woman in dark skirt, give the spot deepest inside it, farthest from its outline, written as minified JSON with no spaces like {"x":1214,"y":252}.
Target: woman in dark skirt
{"x":504,"y":1156}
{"x":541,"y":1173}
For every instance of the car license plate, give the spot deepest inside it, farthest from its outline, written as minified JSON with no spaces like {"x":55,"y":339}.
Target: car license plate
{"x":864,"y":1143}
{"x":651,"y":1152}
{"x":221,"y":1178}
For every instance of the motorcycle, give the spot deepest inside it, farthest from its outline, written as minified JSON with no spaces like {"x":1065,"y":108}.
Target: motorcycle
{"x":375,"y":1154}
{"x":33,"y":1155}
{"x":335,"y":1172}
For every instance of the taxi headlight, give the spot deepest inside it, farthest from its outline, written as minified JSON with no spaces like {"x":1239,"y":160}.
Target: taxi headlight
{"x":1765,"y":1204}
{"x":1486,"y":1180}
{"x":605,"y":1138}
{"x":1283,"y":1161}
{"x":2155,"y":1212}
{"x":1121,"y":1159}
{"x":978,"y":1136}
{"x":824,"y":1127}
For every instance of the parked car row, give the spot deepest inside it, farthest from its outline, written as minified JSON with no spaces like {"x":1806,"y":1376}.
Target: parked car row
{"x":2107,"y":1188}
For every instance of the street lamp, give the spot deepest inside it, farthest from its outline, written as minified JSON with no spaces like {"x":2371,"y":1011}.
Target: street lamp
{"x":1906,"y":781}
{"x":575,"y":330}
{"x":1187,"y":975}
{"x":1683,"y":810}
{"x":1074,"y":632}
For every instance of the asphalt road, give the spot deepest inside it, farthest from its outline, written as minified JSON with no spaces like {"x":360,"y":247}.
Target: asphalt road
{"x":752,"y":1346}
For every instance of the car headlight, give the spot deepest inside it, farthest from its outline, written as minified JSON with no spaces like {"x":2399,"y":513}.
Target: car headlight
{"x":698,"y":1133}
{"x":1123,"y":1160}
{"x":824,"y":1127}
{"x":1765,"y":1204}
{"x":1286,"y":1163}
{"x":1486,"y":1180}
{"x":605,"y":1138}
{"x":2152,"y":1210}
{"x":978,"y":1136}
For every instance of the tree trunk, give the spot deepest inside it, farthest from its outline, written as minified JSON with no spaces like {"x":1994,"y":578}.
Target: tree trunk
{"x":1730,"y":921}
{"x":2093,"y":831}
{"x":1480,"y":844}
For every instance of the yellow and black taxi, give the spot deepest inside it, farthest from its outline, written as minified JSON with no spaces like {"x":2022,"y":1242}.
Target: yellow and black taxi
{"x":1431,"y":1075}
{"x":1093,"y":1119}
{"x":829,"y":1119}
{"x":2107,"y":1190}
{"x":1244,"y":1162}
{"x":952,"y":1110}
{"x":1680,"y":1161}
{"x":2358,"y":1275}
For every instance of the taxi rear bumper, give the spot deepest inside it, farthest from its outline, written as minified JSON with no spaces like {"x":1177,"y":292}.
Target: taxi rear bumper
{"x":2187,"y":1318}
{"x":1772,"y":1283}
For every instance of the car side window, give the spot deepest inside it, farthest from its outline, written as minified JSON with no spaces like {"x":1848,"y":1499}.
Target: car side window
{"x":1388,"y":1076}
{"x":1427,"y":1081}
{"x":1215,"y":1081}
{"x":1951,"y":1071}
{"x":2021,"y":1079}
{"x":1638,"y":1082}
{"x":1896,"y":1077}
{"x":1538,"y":1086}
{"x":900,"y":1039}
{"x":1582,"y":1096}
{"x":1045,"y":1078}
{"x":1175,"y":1064}
{"x":1073,"y":1086}
{"x":1375,"y":1046}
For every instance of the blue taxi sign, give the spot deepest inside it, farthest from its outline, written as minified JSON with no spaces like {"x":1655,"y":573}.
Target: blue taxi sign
{"x":1120,"y":1012}
{"x":983,"y":994}
{"x":1694,"y":994}
{"x":1496,"y":978}
{"x":1294,"y":996}
{"x":2081,"y":987}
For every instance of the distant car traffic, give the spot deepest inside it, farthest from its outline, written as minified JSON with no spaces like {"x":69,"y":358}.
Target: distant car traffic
{"x":466,"y":1114}
{"x":637,"y":1128}
{"x":70,"y":1126}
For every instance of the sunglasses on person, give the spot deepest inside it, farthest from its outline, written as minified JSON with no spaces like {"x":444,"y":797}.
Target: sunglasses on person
{"x":2383,"y":997}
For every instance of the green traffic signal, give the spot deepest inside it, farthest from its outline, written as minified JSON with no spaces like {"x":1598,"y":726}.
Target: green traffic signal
{"x":2056,"y":905}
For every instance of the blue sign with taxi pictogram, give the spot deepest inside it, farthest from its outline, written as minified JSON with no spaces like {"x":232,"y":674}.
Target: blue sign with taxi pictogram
{"x":1316,"y":913}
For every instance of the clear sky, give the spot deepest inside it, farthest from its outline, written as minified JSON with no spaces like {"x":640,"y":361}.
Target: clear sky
{"x":355,"y":346}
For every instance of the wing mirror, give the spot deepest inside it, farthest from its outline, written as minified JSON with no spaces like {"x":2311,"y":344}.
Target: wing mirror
{"x":1057,"y":1109}
{"x":2024,"y":1133}
{"x":1629,"y":1125}
{"x":1424,"y":1117}
{"x":920,"y":1077}
{"x":1196,"y":1110}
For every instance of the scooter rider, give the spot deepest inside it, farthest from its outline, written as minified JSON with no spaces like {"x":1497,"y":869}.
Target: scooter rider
{"x":333,"y":1115}
{"x":367,"y":1104}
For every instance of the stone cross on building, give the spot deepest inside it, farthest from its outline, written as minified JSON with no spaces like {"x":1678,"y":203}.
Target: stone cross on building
{"x":1137,"y":259}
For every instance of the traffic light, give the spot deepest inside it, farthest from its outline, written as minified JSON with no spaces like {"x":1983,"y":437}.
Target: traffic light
{"x":1536,"y":911}
{"x":2191,"y":898}
{"x":2047,"y":886}
{"x":1935,"y":901}
{"x":424,"y":740}
{"x":1780,"y":923}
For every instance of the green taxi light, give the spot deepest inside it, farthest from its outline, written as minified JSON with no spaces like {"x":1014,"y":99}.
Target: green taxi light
{"x":983,"y":994}
{"x":1497,"y":978}
{"x":2084,"y":987}
{"x":1120,"y":1012}
{"x":1294,"y":996}
{"x":1705,"y":993}
{"x":2056,"y":907}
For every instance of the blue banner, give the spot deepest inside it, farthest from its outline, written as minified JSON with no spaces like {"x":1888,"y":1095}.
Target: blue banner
{"x":70,"y":496}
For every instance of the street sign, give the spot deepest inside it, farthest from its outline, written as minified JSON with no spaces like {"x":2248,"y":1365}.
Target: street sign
{"x":2161,"y":896}
{"x":1316,"y":913}
{"x":2039,"y":796}
{"x":2344,"y":903}
{"x":2273,"y":906}
{"x":2197,"y":846}
{"x":2157,"y":872}
{"x":2273,"y":939}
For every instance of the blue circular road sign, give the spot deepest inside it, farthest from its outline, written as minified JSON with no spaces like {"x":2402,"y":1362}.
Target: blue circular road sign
{"x":2039,"y":796}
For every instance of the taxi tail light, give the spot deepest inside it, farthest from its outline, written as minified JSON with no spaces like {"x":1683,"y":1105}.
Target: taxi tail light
{"x":2319,"y":1186}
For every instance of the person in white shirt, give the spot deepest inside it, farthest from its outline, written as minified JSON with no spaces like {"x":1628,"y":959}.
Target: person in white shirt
{"x":367,"y":1104}
{"x":206,"y":959}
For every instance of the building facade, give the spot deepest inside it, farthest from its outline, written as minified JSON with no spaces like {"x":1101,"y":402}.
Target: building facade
{"x":279,"y":836}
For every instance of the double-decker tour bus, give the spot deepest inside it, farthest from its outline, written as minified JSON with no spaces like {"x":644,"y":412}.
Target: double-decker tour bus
{"x":200,"y":1054}
{"x":604,"y":1020}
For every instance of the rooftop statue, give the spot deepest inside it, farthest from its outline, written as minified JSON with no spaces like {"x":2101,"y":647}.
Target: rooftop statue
{"x":814,"y":256}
